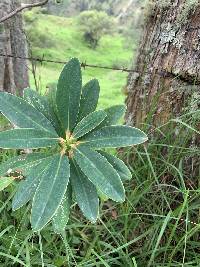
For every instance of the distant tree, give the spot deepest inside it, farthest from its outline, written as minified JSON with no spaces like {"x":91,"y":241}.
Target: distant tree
{"x":94,"y":25}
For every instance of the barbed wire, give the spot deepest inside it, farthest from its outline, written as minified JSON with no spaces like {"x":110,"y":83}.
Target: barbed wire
{"x":163,"y":73}
{"x":83,"y":64}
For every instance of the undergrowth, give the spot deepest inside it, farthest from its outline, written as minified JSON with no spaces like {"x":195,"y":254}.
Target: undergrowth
{"x":158,"y":225}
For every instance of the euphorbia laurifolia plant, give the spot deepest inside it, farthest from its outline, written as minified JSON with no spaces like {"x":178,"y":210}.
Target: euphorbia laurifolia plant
{"x":67,"y":138}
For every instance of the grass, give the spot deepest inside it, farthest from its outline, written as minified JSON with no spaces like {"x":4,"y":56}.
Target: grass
{"x":158,"y":224}
{"x":64,"y":40}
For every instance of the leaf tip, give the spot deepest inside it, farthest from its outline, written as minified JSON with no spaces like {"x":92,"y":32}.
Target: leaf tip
{"x":93,"y":219}
{"x":14,"y":208}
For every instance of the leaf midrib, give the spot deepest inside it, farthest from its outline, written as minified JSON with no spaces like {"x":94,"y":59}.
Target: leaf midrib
{"x":30,"y":119}
{"x":36,"y":177}
{"x":50,"y":191}
{"x":111,"y":138}
{"x":34,"y":138}
{"x":85,"y":126}
{"x":88,"y":202}
{"x":29,"y":163}
{"x":98,"y":170}
{"x":91,"y":162}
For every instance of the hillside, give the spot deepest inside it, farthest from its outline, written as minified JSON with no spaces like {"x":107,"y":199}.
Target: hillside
{"x":124,"y":10}
{"x":59,"y":38}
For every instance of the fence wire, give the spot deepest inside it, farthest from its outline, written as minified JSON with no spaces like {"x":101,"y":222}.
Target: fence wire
{"x":162,"y":73}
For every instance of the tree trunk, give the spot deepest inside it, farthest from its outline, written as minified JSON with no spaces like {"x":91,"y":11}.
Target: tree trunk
{"x":13,"y":72}
{"x":168,"y":64}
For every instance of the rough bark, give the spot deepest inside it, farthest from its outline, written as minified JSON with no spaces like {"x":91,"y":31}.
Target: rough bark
{"x":168,"y":64}
{"x":13,"y":72}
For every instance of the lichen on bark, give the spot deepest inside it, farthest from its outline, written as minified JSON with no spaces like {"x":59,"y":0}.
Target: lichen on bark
{"x":168,"y":65}
{"x":188,"y":7}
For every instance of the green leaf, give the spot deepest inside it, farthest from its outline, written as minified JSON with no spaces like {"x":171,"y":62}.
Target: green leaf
{"x":26,"y":138}
{"x":61,"y":217}
{"x":22,"y":114}
{"x":89,"y":123}
{"x":51,"y":97}
{"x":37,"y":101}
{"x":27,"y":187}
{"x":100,"y":172}
{"x":89,"y":98}
{"x":118,"y":165}
{"x":115,"y":136}
{"x":5,"y":182}
{"x":85,"y":193}
{"x":68,"y":94}
{"x":102,"y":196}
{"x":50,"y":191}
{"x":42,"y":105}
{"x":23,"y":163}
{"x":114,"y":114}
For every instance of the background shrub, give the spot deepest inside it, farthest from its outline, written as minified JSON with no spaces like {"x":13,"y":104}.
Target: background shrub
{"x":94,"y":25}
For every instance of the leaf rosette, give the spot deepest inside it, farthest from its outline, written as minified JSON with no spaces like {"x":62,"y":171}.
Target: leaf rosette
{"x":68,"y":138}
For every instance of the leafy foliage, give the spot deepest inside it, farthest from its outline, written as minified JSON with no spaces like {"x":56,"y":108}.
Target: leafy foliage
{"x":5,"y":181}
{"x":94,"y":25}
{"x":64,"y":133}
